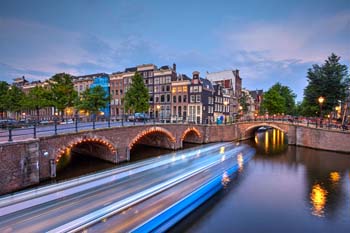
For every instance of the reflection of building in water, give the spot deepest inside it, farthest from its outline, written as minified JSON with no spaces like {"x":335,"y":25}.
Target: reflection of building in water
{"x":225,"y":179}
{"x":326,"y":174}
{"x":324,"y":184}
{"x":318,"y":199}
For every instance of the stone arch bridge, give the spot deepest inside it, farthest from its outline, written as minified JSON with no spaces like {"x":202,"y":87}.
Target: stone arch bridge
{"x":27,"y":162}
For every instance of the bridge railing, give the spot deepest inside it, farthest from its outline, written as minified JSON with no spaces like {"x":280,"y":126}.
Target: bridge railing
{"x":30,"y":131}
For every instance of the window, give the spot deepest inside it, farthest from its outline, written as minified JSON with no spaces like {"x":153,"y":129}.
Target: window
{"x":163,"y":88}
{"x":168,"y":98}
{"x":184,"y":88}
{"x":162,"y":99}
{"x":150,"y":81}
{"x":121,"y":91}
{"x":179,"y":111}
{"x":193,"y":98}
{"x":156,"y":89}
{"x":198,"y":98}
{"x":179,"y":89}
{"x":191,"y":89}
{"x":151,"y":99}
{"x":173,"y":90}
{"x":167,"y":88}
{"x":156,"y":80}
{"x":180,"y":98}
{"x":174,"y":99}
{"x":112,"y":92}
{"x":157,"y":98}
{"x":174,"y":110}
{"x":185,"y":98}
{"x":198,"y":110}
{"x":195,"y":89}
{"x":168,"y":79}
{"x":200,"y":89}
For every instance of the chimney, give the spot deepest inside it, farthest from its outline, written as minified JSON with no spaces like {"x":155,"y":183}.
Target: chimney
{"x":174,"y":67}
{"x":237,"y":73}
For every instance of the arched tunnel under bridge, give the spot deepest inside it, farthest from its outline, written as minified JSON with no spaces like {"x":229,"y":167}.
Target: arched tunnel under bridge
{"x":84,"y":155}
{"x":157,"y":141}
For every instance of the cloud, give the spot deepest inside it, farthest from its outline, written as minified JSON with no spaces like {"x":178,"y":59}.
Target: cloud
{"x":8,"y":73}
{"x":309,"y":40}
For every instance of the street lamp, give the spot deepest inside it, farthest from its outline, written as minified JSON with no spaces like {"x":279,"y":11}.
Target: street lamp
{"x":158,"y":108}
{"x":240,"y":110}
{"x":321,"y":99}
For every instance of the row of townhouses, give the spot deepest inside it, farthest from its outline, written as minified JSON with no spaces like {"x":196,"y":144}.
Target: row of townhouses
{"x":173,"y":96}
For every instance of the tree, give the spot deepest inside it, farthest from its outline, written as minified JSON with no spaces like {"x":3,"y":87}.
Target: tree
{"x":243,"y":101}
{"x":14,"y":99}
{"x":63,"y":94}
{"x":330,"y":81}
{"x":137,"y":97}
{"x":36,"y":99}
{"x":288,"y":96}
{"x":92,"y":100}
{"x":273,"y":102}
{"x":3,"y":103}
{"x":279,"y":99}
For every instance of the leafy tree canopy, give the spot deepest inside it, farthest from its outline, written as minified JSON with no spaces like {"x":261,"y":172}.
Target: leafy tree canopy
{"x":37,"y":98}
{"x":243,"y":101}
{"x":14,"y":99}
{"x":62,"y":91}
{"x":279,"y":99}
{"x":93,"y":99}
{"x":3,"y":94}
{"x":137,"y":97}
{"x":330,"y":81}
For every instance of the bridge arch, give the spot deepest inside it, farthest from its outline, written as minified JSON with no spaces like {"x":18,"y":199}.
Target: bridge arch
{"x":192,"y":135}
{"x":154,"y":136}
{"x":248,"y":132}
{"x":92,"y":145}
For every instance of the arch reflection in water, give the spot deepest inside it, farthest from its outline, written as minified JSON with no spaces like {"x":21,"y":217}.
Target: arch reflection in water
{"x":318,"y":199}
{"x":271,"y":141}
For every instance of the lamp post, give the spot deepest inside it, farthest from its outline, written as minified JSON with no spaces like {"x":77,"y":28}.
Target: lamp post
{"x":320,"y":101}
{"x":158,"y":112}
{"x":240,"y":110}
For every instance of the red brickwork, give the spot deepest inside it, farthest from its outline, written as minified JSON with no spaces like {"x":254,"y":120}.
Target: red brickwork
{"x":19,"y":166}
{"x":25,"y":163}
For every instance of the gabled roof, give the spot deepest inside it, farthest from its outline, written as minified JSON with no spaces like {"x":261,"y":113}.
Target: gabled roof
{"x":256,"y":93}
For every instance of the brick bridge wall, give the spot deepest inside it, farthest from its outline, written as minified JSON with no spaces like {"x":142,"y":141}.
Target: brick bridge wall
{"x":25,"y":163}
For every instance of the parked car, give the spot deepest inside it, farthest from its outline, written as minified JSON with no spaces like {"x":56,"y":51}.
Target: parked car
{"x":138,"y":117}
{"x":68,"y":121}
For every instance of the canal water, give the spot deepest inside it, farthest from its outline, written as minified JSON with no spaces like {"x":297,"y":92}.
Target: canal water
{"x":282,"y":189}
{"x":72,"y":165}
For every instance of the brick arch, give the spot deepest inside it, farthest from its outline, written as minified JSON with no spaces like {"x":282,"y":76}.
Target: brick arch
{"x":189,"y":130}
{"x":252,"y":127}
{"x":81,"y":140}
{"x":150,"y":131}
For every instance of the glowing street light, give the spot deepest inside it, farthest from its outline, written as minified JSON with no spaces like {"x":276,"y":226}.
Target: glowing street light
{"x":321,"y":99}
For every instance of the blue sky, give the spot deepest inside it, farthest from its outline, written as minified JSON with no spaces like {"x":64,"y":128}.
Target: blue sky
{"x":268,"y":41}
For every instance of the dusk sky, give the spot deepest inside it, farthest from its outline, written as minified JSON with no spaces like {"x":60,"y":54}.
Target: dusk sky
{"x":268,"y":41}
